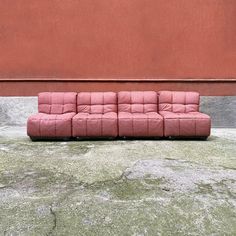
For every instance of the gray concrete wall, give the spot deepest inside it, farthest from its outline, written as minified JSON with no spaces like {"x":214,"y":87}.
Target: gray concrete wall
{"x":15,"y":110}
{"x":222,"y":110}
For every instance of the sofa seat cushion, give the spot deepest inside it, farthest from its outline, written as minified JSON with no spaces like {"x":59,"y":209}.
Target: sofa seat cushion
{"x":140,"y":124}
{"x":95,"y":125}
{"x":186,"y":124}
{"x":50,"y":125}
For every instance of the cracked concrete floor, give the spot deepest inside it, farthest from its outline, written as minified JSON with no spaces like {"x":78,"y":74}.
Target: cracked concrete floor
{"x":135,"y":187}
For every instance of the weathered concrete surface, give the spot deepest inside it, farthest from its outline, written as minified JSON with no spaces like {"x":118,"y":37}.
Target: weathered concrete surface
{"x":16,"y":110}
{"x":222,"y":109}
{"x":142,"y":187}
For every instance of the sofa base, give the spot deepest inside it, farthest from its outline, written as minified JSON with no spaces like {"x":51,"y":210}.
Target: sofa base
{"x":188,"y":137}
{"x":95,"y":138}
{"x":35,"y":139}
{"x":140,"y":137}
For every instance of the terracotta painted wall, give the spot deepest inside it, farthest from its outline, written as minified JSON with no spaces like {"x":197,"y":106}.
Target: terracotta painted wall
{"x":162,"y":44}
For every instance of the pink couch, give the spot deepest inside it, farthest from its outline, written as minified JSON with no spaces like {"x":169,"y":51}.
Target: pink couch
{"x":56,"y":111}
{"x":182,"y":118}
{"x":96,"y":115}
{"x":123,"y":114}
{"x":137,"y":114}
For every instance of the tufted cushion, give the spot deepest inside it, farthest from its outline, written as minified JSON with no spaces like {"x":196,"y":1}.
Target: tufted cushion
{"x":138,"y":114}
{"x":191,"y":124}
{"x":137,"y":101}
{"x":181,"y":116}
{"x":140,"y":124}
{"x":55,"y":115}
{"x":95,"y":125}
{"x":96,"y":102}
{"x":97,"y":115}
{"x":50,"y":125}
{"x":175,"y":101}
{"x":56,"y":102}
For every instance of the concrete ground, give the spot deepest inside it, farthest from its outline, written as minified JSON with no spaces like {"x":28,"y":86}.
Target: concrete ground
{"x":134,"y":187}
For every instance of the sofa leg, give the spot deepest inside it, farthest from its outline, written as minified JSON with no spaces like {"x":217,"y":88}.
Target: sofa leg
{"x":204,"y":137}
{"x":33,"y":139}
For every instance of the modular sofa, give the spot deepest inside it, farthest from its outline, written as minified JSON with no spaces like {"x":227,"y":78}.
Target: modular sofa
{"x":182,"y":118}
{"x":96,"y":115}
{"x":54,"y":119}
{"x":137,"y":114}
{"x":122,"y":114}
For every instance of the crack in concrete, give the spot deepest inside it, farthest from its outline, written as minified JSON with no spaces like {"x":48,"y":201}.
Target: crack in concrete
{"x":85,"y":185}
{"x":122,"y":177}
{"x":54,"y":217}
{"x":53,"y":212}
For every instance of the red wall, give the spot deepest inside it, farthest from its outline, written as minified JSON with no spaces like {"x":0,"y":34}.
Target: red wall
{"x":176,"y":43}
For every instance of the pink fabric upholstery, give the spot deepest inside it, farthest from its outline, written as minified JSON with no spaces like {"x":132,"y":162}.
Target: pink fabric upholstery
{"x":178,"y":101}
{"x":137,"y":101}
{"x":50,"y":125}
{"x":97,"y":115}
{"x":137,"y":114}
{"x":55,"y":116}
{"x":57,"y":103}
{"x":96,"y":102}
{"x":180,"y":111}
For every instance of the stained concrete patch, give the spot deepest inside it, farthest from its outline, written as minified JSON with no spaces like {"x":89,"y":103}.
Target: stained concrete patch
{"x":139,"y":187}
{"x":181,"y":175}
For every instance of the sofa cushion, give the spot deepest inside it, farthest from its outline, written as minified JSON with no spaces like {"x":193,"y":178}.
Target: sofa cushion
{"x":57,"y":102}
{"x":137,"y":101}
{"x":97,"y":115}
{"x":96,"y":102}
{"x":189,"y":115}
{"x":95,"y":125}
{"x":140,"y":124}
{"x":186,"y":124}
{"x":50,"y":125}
{"x":179,"y":102}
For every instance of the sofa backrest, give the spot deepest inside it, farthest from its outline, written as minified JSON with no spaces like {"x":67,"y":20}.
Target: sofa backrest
{"x":176,"y":101}
{"x":96,"y":102}
{"x":137,"y":101}
{"x":57,"y":102}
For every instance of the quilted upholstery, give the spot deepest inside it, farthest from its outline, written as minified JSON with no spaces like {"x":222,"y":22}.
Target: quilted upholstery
{"x":180,"y":111}
{"x":57,"y":103}
{"x":50,"y":125}
{"x":137,"y":114}
{"x":178,"y":101}
{"x":96,"y":102}
{"x":97,"y":115}
{"x":137,"y":101}
{"x":54,"y":119}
